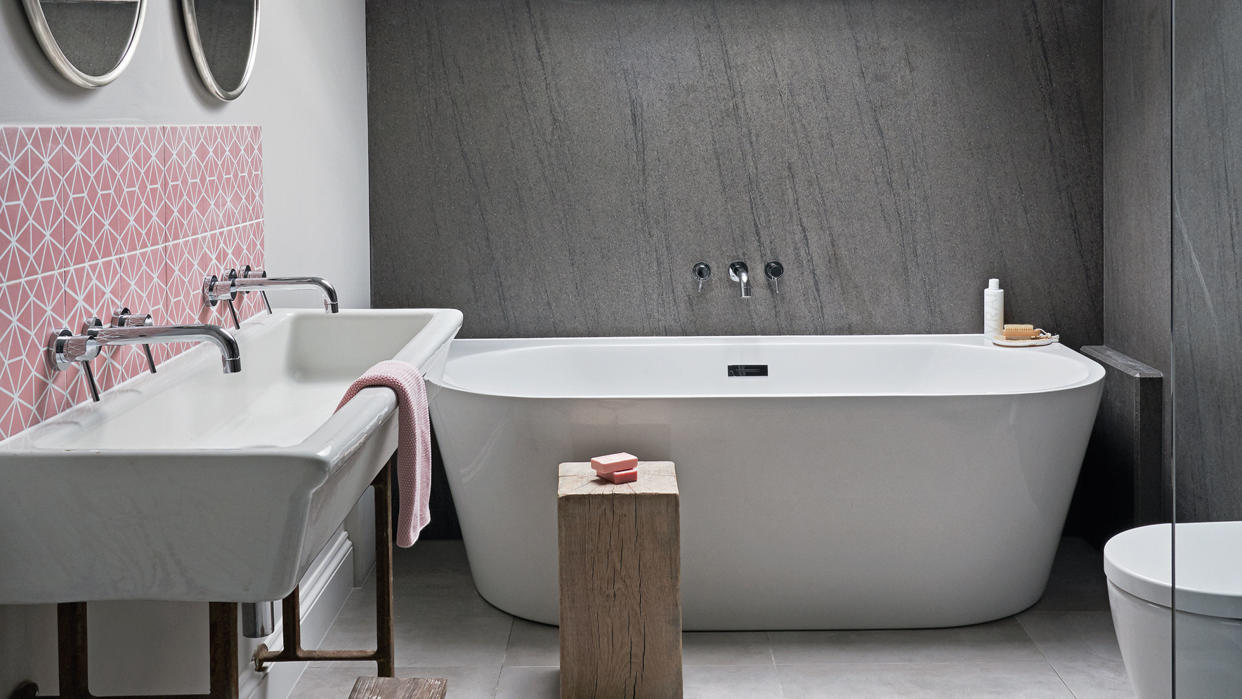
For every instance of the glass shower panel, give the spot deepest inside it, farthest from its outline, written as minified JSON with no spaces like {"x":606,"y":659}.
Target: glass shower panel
{"x":1206,"y":341}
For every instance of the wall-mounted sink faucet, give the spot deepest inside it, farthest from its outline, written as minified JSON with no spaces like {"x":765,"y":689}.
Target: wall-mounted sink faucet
{"x":216,"y":289}
{"x":739,"y":273}
{"x":66,"y":349}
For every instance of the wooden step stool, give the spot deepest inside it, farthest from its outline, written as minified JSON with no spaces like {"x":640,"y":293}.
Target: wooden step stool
{"x":620,"y":581}
{"x":392,"y":688}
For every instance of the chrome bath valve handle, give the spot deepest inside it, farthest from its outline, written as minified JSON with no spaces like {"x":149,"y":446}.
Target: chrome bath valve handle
{"x":774,"y":270}
{"x":124,"y":318}
{"x":702,"y":272}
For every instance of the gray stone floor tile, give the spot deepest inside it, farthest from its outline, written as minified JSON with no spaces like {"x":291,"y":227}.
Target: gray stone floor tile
{"x":740,"y":682}
{"x":445,"y":629}
{"x":532,"y":644}
{"x":1082,"y":648}
{"x":999,"y":641}
{"x":1023,"y":680}
{"x":1077,"y":582}
{"x":726,"y":648}
{"x":529,"y":683}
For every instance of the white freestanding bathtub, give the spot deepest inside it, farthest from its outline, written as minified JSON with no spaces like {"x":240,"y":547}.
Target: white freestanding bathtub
{"x":864,"y":482}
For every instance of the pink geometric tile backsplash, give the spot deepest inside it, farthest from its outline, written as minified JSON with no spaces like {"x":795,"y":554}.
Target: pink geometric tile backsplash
{"x":93,"y":218}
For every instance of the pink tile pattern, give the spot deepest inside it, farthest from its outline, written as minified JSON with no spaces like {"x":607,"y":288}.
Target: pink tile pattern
{"x":93,"y":218}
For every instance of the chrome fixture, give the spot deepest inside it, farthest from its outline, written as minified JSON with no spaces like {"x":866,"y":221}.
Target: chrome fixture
{"x":90,"y":328}
{"x":123,"y":318}
{"x":249,"y":272}
{"x":739,"y":273}
{"x":216,"y":289}
{"x":702,"y":272}
{"x":66,"y":349}
{"x":774,"y":270}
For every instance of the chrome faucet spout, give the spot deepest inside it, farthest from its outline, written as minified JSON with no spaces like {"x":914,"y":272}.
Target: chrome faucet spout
{"x":330,"y":303}
{"x":230,"y":353}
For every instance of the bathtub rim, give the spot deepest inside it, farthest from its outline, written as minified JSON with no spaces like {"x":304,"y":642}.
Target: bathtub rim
{"x":1095,"y":371}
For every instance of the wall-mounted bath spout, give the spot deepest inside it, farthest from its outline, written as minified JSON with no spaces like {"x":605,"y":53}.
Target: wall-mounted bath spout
{"x":739,"y":273}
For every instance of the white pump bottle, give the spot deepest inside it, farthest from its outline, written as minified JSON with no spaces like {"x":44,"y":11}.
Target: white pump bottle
{"x":993,"y":309}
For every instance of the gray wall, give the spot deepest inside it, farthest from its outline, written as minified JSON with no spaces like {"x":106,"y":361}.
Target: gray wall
{"x":308,"y":93}
{"x":1201,"y":350}
{"x":1207,"y":132}
{"x":1136,"y":179}
{"x":1123,"y":484}
{"x":555,"y":168}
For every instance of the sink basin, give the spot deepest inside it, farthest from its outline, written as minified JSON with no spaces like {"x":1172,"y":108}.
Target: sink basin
{"x":194,"y":485}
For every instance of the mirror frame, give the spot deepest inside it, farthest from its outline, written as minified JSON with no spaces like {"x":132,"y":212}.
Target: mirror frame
{"x":195,"y":39}
{"x":56,"y":55}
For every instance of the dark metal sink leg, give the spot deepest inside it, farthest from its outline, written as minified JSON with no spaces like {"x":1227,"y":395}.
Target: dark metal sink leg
{"x":73,"y":666}
{"x":385,"y":646}
{"x":383,"y":655}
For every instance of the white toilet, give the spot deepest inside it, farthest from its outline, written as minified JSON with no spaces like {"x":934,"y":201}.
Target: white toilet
{"x":1209,"y":608}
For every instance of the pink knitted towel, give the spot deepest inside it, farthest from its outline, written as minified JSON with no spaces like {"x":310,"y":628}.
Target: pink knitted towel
{"x":413,"y":442}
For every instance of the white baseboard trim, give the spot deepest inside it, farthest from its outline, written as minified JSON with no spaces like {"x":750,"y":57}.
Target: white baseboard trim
{"x":322,"y":593}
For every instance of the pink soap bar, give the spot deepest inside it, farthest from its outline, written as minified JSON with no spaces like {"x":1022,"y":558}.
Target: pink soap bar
{"x":614,"y":462}
{"x":626,"y":476}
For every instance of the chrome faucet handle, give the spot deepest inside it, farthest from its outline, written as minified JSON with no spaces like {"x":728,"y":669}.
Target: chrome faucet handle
{"x":90,"y":328}
{"x":232,"y":277}
{"x":740,"y":273}
{"x":66,"y":349}
{"x":249,"y":272}
{"x":702,"y":272}
{"x":216,"y":290}
{"x":124,"y":318}
{"x":774,"y":270}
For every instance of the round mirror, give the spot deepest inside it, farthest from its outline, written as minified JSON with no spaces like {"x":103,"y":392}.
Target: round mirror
{"x":223,"y":36}
{"x":89,"y":41}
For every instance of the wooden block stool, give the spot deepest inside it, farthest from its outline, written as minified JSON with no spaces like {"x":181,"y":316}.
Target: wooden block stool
{"x":393,"y":688}
{"x":620,"y":580}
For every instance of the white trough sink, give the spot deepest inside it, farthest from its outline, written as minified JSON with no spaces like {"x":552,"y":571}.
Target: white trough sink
{"x":194,"y":485}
